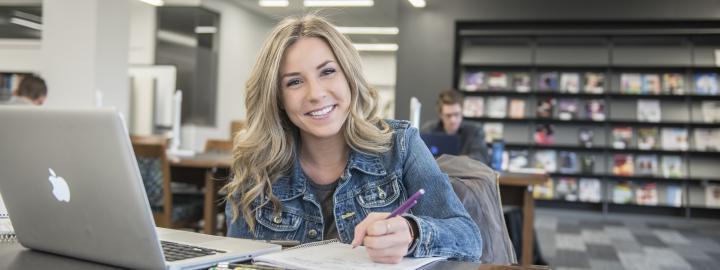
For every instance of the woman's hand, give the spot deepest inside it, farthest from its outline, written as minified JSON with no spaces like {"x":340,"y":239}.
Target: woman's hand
{"x":386,"y":240}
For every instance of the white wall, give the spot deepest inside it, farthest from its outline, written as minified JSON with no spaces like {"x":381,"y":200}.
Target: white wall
{"x":20,"y":55}
{"x":143,"y":23}
{"x":241,"y":35}
{"x":379,"y":70}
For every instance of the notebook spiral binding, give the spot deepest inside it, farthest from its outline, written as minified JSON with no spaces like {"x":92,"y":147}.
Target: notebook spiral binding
{"x":318,"y":243}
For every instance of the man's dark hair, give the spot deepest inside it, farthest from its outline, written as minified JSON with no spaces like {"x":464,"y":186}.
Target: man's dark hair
{"x":449,"y":97}
{"x":32,"y":87}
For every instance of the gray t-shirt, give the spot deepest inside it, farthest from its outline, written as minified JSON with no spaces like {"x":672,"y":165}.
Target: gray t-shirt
{"x":324,"y":195}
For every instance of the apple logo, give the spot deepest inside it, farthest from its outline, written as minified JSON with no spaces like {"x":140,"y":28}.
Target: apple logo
{"x":60,"y":190}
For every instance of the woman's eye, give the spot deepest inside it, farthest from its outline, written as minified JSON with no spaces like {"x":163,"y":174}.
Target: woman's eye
{"x":292,"y":82}
{"x":328,"y":71}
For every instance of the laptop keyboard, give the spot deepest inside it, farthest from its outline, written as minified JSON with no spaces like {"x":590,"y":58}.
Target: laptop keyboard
{"x":175,"y":251}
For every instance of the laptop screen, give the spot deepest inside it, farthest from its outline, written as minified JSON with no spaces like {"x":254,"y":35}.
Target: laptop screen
{"x":440,"y":143}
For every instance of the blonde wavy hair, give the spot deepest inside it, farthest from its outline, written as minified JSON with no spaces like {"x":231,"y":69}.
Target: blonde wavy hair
{"x":265,"y":151}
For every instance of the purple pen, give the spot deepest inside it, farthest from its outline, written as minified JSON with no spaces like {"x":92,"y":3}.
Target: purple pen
{"x":407,"y":204}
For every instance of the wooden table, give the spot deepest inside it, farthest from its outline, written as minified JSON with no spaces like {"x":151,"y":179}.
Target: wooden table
{"x":210,"y":164}
{"x":516,"y":189}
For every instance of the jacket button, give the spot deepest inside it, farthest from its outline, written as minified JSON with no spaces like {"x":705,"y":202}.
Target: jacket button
{"x":312,"y":234}
{"x":277,"y":220}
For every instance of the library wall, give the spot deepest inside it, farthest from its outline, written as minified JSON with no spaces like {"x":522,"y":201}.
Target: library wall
{"x":426,"y":39}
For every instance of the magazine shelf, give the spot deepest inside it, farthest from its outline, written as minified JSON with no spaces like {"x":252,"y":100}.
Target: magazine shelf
{"x":615,"y":101}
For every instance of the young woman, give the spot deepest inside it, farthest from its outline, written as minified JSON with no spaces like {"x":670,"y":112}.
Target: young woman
{"x":315,"y":162}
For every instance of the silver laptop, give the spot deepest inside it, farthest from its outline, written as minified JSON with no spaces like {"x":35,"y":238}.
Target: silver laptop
{"x":71,"y":185}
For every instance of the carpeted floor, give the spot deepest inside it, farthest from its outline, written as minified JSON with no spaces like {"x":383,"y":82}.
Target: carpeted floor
{"x":584,"y":240}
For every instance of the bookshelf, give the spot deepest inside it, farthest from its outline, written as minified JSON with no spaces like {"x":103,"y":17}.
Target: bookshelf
{"x":644,"y":97}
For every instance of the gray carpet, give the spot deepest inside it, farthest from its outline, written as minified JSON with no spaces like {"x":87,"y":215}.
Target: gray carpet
{"x":586,"y":240}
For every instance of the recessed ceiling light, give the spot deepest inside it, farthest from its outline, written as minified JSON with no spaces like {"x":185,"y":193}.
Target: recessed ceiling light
{"x":154,"y":2}
{"x":205,"y":29}
{"x":387,"y":47}
{"x":26,"y":23}
{"x":417,"y":3}
{"x":338,"y":3}
{"x":368,"y":30}
{"x":274,"y":3}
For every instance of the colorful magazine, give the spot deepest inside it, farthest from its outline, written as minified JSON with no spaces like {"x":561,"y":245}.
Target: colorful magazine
{"x":646,"y":165}
{"x":594,"y":82}
{"x":630,"y":83}
{"x":585,"y":136}
{"x":544,"y":134}
{"x":647,"y":138}
{"x":623,"y":165}
{"x":497,"y":80}
{"x":518,"y":160}
{"x":473,"y":107}
{"x":651,"y":84}
{"x":648,"y":110}
{"x":707,"y":139}
{"x":623,"y":193}
{"x":706,"y":84}
{"x":569,"y":163}
{"x":521,"y":82}
{"x":590,"y":190}
{"x":517,"y":109}
{"x":567,"y":189}
{"x":569,"y":82}
{"x":595,"y":109}
{"x":544,"y":191}
{"x":675,"y":139}
{"x":545,"y":107}
{"x":674,"y":196}
{"x":548,"y":81}
{"x":712,"y":196}
{"x":567,"y":109}
{"x":587,"y":164}
{"x":647,"y":194}
{"x":673,"y":83}
{"x":497,"y":107}
{"x":672,"y":167}
{"x":473,"y":81}
{"x":710,"y":111}
{"x":622,"y":137}
{"x":547,"y":160}
{"x":493,"y":131}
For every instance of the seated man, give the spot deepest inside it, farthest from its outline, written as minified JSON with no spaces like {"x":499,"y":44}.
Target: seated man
{"x":31,"y":91}
{"x":472,"y":137}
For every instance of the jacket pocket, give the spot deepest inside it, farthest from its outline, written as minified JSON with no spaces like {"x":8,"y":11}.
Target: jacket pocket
{"x":285,"y":221}
{"x":380,"y":194}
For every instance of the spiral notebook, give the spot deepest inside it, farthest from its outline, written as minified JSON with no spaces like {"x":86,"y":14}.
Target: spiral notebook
{"x":331,"y":255}
{"x":7,"y":233}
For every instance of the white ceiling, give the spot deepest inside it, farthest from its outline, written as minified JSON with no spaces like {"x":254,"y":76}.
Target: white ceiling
{"x":383,"y":13}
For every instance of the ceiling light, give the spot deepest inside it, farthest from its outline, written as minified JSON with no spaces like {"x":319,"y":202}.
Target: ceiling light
{"x":26,"y":23}
{"x":338,"y":3}
{"x":274,"y":3}
{"x":177,"y":38}
{"x":368,"y":30}
{"x":154,"y":2}
{"x":387,"y":47}
{"x":417,"y":3}
{"x":205,"y":29}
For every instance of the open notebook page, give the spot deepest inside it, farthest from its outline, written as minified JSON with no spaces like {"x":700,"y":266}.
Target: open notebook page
{"x":334,"y":256}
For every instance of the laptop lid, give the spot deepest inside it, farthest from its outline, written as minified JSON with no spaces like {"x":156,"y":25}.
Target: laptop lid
{"x":71,"y":184}
{"x":440,"y":143}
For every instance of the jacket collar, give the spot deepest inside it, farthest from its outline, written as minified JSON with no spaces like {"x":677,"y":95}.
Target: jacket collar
{"x":295,"y":184}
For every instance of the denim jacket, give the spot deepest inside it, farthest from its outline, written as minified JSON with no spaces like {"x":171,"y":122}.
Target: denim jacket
{"x":373,"y":183}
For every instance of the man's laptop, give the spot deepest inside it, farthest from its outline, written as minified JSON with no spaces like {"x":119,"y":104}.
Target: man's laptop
{"x":71,"y":185}
{"x":440,"y":143}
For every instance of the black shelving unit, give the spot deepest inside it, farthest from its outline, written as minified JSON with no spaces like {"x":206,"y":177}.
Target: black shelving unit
{"x":610,"y":49}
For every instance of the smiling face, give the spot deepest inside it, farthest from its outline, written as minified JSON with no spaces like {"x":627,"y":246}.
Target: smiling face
{"x":315,"y":93}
